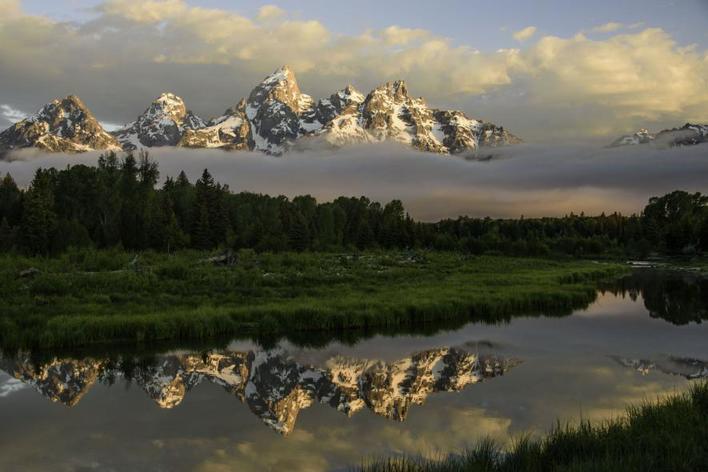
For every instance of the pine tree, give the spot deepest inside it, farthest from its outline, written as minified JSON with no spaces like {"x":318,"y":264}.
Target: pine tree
{"x":203,"y":212}
{"x":7,"y":236}
{"x":38,"y":220}
{"x":299,"y":234}
{"x":10,"y":195}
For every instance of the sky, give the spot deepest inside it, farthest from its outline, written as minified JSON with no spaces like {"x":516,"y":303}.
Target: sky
{"x":547,"y":70}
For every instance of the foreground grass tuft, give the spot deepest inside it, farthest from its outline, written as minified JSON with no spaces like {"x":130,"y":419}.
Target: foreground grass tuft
{"x":670,"y":435}
{"x":86,"y":297}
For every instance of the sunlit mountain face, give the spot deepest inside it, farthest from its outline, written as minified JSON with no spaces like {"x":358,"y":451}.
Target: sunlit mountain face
{"x":273,"y":386}
{"x":326,"y":236}
{"x":276,"y":117}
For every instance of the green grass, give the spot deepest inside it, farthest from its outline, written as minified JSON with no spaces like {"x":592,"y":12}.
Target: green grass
{"x":88,"y":297}
{"x":670,"y":435}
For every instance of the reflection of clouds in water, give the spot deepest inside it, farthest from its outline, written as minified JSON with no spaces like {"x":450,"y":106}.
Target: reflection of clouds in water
{"x":608,"y":305}
{"x":10,"y":386}
{"x":214,"y":432}
{"x":612,"y":406}
{"x":529,"y":179}
{"x":595,"y":393}
{"x":322,"y":448}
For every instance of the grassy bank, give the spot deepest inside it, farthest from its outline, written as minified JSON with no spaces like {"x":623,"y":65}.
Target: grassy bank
{"x":670,"y":435}
{"x":94,"y":296}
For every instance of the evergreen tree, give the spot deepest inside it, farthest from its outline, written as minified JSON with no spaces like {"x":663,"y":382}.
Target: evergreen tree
{"x":299,"y":233}
{"x":38,"y":219}
{"x":7,"y":236}
{"x":204,"y":211}
{"x":10,"y":204}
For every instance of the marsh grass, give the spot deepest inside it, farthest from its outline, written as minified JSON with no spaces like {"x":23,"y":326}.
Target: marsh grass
{"x":86,"y":297}
{"x":668,"y":435}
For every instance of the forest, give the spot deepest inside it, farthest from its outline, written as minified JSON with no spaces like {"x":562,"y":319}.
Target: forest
{"x":118,"y":204}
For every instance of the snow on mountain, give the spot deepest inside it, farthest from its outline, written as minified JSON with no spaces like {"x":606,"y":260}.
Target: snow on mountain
{"x":273,"y":385}
{"x":277,"y":116}
{"x":162,"y":124}
{"x":275,"y":108}
{"x":640,"y":137}
{"x":685,"y":367}
{"x":231,"y":131}
{"x":63,"y":125}
{"x":687,"y":135}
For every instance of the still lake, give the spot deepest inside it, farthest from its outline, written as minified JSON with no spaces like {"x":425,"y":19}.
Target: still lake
{"x":244,"y":407}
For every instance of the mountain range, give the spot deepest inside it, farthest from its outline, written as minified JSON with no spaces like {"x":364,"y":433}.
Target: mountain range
{"x":275,"y":118}
{"x":272,"y":384}
{"x":687,"y":135}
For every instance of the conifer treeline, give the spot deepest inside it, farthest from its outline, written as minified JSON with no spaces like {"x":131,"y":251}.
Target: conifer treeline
{"x":116,"y":203}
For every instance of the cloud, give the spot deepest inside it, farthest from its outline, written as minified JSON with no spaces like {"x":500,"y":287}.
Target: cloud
{"x":270,"y":12}
{"x":608,"y":27}
{"x":645,"y":75}
{"x":108,"y":126}
{"x":10,"y":8}
{"x":396,"y":35}
{"x":130,"y":52}
{"x":10,"y":386}
{"x":146,"y":11}
{"x":528,"y":180}
{"x":11,"y":114}
{"x":524,"y":34}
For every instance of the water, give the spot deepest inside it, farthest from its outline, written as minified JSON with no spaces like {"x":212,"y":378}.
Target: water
{"x":242,"y":407}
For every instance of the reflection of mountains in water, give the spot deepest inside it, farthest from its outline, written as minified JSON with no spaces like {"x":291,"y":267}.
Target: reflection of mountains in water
{"x":273,"y":385}
{"x":685,"y":367}
{"x":678,"y":297}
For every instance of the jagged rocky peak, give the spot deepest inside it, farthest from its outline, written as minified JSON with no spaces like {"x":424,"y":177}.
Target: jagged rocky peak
{"x":161,"y":124}
{"x":344,"y":102}
{"x":281,"y":86}
{"x":642,"y":136}
{"x":63,"y":381}
{"x":277,"y":117}
{"x":63,"y":125}
{"x":167,"y":105}
{"x":273,"y":385}
{"x":230,"y":131}
{"x":275,"y":108}
{"x":687,"y":135}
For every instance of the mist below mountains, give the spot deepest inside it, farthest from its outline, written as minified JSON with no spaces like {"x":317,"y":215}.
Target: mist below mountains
{"x":529,"y":180}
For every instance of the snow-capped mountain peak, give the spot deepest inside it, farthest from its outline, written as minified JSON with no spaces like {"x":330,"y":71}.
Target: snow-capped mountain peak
{"x":161,"y":124}
{"x":687,"y":135}
{"x":277,"y":115}
{"x":63,"y":125}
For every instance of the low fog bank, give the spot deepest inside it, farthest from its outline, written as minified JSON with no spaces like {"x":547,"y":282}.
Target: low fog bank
{"x":529,"y":180}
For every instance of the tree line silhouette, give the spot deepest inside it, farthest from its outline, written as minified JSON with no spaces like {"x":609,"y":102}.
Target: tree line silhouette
{"x":117,"y":203}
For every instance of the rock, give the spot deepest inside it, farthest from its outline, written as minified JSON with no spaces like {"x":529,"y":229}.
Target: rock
{"x":63,"y":125}
{"x":276,"y":118}
{"x":687,"y":135}
{"x":162,"y":124}
{"x":30,"y":273}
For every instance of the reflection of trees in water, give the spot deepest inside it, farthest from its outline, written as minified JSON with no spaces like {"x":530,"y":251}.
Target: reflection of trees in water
{"x":677,"y":297}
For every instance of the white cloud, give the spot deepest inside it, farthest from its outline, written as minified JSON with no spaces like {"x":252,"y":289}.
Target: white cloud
{"x":145,"y":11}
{"x":524,"y":34}
{"x":12,"y":115}
{"x":132,"y":51}
{"x":108,"y":126}
{"x":10,"y":386}
{"x":644,"y":75}
{"x":529,"y":180}
{"x":608,"y":27}
{"x":270,"y":12}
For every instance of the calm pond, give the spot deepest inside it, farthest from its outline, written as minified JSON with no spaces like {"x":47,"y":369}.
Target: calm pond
{"x":244,"y":407}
